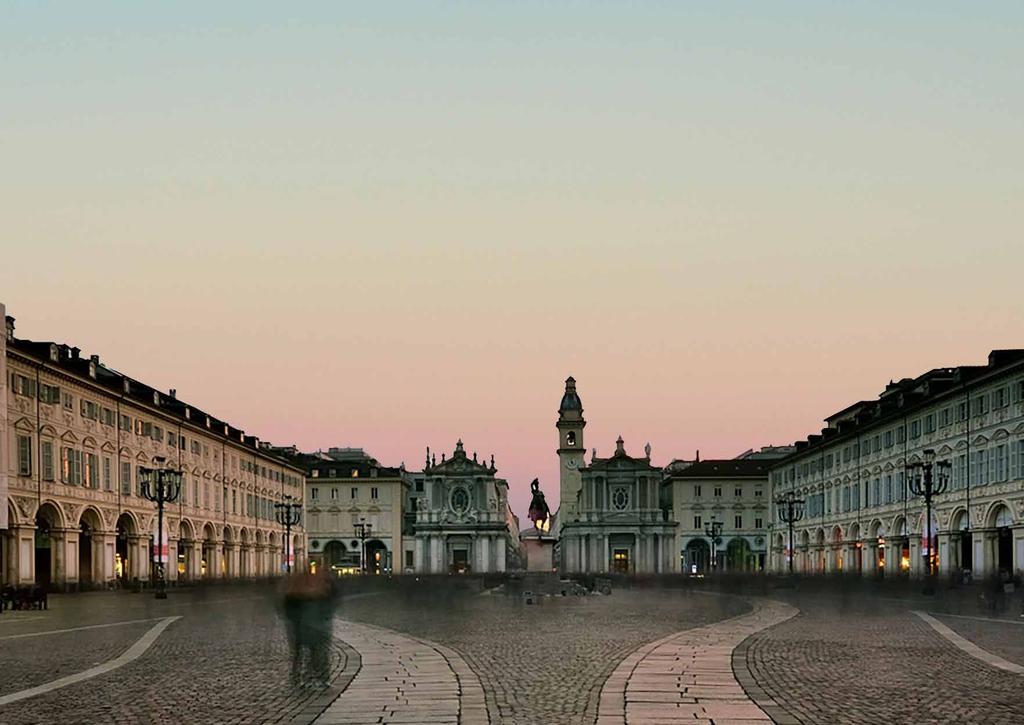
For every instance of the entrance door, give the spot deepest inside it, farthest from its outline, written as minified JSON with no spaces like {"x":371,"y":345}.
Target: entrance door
{"x":966,"y":551}
{"x":620,"y":561}
{"x":44,"y":556}
{"x":85,"y":557}
{"x":1004,"y":551}
{"x":460,"y":561}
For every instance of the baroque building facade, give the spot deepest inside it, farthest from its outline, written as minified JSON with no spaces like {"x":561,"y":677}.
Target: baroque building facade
{"x":76,"y":433}
{"x":860,"y":515}
{"x":462,"y":522}
{"x":610,"y":518}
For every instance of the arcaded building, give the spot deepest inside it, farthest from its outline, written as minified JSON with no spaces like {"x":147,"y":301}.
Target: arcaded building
{"x":861,"y":515}
{"x":75,"y":434}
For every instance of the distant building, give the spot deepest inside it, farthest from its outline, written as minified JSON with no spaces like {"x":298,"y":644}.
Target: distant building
{"x":610,"y":517}
{"x":860,"y":515}
{"x":735,"y":494}
{"x":462,"y":523}
{"x":75,"y":434}
{"x":354,"y":511}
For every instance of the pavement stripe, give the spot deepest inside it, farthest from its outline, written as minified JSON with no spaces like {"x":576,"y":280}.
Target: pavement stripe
{"x":688,"y":676}
{"x":405,"y":680}
{"x":993,"y":620}
{"x":78,"y":629}
{"x":969,"y":647}
{"x":129,"y":655}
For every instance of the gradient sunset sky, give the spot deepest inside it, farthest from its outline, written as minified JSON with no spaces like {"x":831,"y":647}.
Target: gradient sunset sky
{"x":392,"y":225}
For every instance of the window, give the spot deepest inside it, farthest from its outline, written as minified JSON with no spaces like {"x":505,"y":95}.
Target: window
{"x":314,"y":493}
{"x":408,"y":559}
{"x":620,"y":499}
{"x":419,"y":486}
{"x":126,"y":422}
{"x":71,"y":466}
{"x":697,"y":523}
{"x":355,"y":493}
{"x":758,"y":493}
{"x":355,"y":473}
{"x":1000,"y":399}
{"x":24,"y":455}
{"x":195,"y":492}
{"x":980,"y":405}
{"x":915,"y":429}
{"x":21,"y":385}
{"x":947,"y":416}
{"x":92,"y":478}
{"x":738,"y":492}
{"x":887,"y":439}
{"x":126,"y":478}
{"x":718,"y":491}
{"x":90,"y":410}
{"x":47,"y":461}
{"x":961,"y":411}
{"x":1000,"y":473}
{"x":758,"y":523}
{"x":373,"y":493}
{"x":224,"y":498}
{"x":738,"y":521}
{"x":929,"y":423}
{"x":888,"y":488}
{"x":334,"y":494}
{"x":68,"y":400}
{"x":696,"y":490}
{"x":570,"y":438}
{"x":49,"y":394}
{"x":315,"y":473}
{"x":196,"y":448}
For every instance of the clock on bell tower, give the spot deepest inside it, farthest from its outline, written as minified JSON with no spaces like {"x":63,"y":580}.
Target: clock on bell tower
{"x":570,"y":450}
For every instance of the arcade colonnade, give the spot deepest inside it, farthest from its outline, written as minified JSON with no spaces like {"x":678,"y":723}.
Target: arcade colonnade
{"x":992,"y":545}
{"x":69,"y":548}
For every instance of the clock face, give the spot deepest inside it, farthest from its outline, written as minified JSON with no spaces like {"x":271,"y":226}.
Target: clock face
{"x":571,"y":464}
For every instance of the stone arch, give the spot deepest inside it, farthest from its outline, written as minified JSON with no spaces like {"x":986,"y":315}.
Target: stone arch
{"x":998,"y":515}
{"x":186,"y":530}
{"x":853,"y":532}
{"x":13,"y":519}
{"x":91,"y":517}
{"x":51,"y":513}
{"x":958,"y":518}
{"x":876,"y":529}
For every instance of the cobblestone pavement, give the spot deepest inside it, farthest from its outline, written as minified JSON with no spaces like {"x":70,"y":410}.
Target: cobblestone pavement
{"x":688,"y":676}
{"x":873,"y":661}
{"x":225,"y":661}
{"x":1005,"y":639}
{"x":405,"y":680}
{"x":543,"y":663}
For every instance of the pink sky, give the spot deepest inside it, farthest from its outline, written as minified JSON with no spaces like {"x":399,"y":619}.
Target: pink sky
{"x":399,"y":229}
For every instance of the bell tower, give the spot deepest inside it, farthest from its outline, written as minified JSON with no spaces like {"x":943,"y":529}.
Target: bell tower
{"x":570,"y":450}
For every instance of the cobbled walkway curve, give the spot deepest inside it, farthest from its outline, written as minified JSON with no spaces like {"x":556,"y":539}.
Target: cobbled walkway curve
{"x":405,"y":680}
{"x":688,"y":676}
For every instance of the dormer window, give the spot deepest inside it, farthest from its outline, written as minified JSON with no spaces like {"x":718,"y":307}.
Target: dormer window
{"x":570,"y":438}
{"x":355,"y":473}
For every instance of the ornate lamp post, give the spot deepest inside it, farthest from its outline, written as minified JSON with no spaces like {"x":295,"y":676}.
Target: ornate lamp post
{"x":791,"y":510}
{"x":928,"y":479}
{"x":363,"y":529}
{"x":161,"y":486}
{"x":713,"y":530}
{"x":287,"y":514}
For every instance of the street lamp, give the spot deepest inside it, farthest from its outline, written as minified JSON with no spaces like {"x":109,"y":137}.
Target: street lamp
{"x":713,"y":530}
{"x":363,"y":529}
{"x":287,"y":514}
{"x":790,"y":510}
{"x":928,"y":479}
{"x":161,"y":486}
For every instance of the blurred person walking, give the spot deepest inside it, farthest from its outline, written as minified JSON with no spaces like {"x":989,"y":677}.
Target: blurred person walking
{"x":308,"y":613}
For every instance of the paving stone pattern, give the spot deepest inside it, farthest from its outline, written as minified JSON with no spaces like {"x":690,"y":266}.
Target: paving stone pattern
{"x":405,"y":680}
{"x":876,"y":664}
{"x":30,"y":661}
{"x":225,"y":661}
{"x":688,"y":676}
{"x":543,"y":663}
{"x":1005,"y":639}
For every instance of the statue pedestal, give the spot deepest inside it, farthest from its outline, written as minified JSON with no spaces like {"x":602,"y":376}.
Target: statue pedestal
{"x":538,"y":550}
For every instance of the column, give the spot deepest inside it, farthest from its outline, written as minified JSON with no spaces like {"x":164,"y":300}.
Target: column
{"x":232,"y":562}
{"x":606,"y":564}
{"x":195,"y":562}
{"x":418,"y":555}
{"x":484,"y":555}
{"x":979,"y":541}
{"x":104,"y":546}
{"x":499,"y":550}
{"x":23,"y":554}
{"x":945,"y":554}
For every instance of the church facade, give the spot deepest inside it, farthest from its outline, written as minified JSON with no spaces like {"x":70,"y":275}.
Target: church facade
{"x":610,"y":518}
{"x":463,"y":523}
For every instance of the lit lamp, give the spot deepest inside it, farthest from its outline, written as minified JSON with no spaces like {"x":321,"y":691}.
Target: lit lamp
{"x":161,"y":486}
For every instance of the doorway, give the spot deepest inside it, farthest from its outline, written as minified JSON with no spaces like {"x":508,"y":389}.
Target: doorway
{"x":84,"y":556}
{"x":620,"y":561}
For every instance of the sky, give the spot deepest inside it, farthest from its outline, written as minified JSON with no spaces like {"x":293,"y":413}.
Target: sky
{"x":392,"y":225}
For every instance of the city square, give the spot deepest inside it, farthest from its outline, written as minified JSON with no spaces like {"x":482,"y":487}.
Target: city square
{"x":533,"y":363}
{"x":444,"y":652}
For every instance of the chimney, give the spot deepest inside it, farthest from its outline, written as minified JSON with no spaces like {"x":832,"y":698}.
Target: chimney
{"x":74,"y":352}
{"x":10,"y":327}
{"x":173,"y":393}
